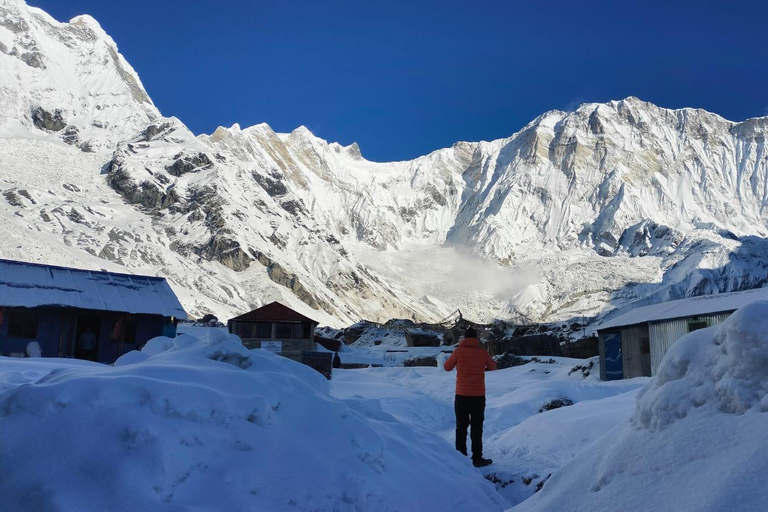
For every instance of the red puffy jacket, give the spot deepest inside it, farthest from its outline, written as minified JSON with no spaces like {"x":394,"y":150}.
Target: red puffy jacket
{"x":471,"y":361}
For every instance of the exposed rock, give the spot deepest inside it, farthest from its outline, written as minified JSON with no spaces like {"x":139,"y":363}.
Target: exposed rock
{"x":271,"y":184}
{"x":76,"y":216}
{"x":422,"y":339}
{"x":146,"y":194}
{"x":293,"y":206}
{"x":207,"y":200}
{"x":421,"y":361}
{"x":13,"y":198}
{"x":226,"y":250}
{"x":71,"y":135}
{"x":584,"y":369}
{"x":508,"y":360}
{"x":563,"y":401}
{"x":24,"y":193}
{"x":32,"y":59}
{"x":153,"y":130}
{"x":279,"y":275}
{"x":185,"y":164}
{"x":52,"y":122}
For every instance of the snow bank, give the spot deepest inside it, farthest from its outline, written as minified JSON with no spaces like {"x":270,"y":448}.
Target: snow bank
{"x":208,"y":425}
{"x":698,"y":437}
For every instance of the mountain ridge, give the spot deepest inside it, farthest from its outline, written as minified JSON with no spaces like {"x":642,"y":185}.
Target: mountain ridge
{"x":573,"y":215}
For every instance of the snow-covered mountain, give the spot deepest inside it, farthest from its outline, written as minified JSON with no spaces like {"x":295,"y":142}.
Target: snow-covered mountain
{"x":575,"y":214}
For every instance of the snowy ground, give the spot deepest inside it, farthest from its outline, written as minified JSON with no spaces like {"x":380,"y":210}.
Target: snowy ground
{"x":201,"y":423}
{"x":525,"y":445}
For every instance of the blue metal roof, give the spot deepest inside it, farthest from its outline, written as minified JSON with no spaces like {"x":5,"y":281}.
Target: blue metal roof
{"x":32,"y":285}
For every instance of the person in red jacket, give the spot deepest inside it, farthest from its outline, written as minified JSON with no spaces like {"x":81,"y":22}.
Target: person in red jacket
{"x":471,"y":361}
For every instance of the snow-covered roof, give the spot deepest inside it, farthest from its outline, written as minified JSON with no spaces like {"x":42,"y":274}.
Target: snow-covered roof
{"x":31,"y":285}
{"x":692,"y":306}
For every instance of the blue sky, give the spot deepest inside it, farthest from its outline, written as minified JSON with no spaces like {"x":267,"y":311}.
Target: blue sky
{"x":405,"y":78}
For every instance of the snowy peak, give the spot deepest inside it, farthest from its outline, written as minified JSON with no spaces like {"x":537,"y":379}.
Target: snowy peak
{"x":575,"y":213}
{"x":66,"y":81}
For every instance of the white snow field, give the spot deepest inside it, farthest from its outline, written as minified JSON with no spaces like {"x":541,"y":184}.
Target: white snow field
{"x":201,"y":423}
{"x":192,"y":424}
{"x":697,"y":439}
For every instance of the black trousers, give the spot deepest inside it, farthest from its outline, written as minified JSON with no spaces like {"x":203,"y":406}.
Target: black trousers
{"x":470,"y":412}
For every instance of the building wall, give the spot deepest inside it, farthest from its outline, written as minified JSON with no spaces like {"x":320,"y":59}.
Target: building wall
{"x":57,"y":329}
{"x":48,"y":329}
{"x":601,"y":352}
{"x":631,"y":339}
{"x":292,"y":348}
{"x":664,"y":334}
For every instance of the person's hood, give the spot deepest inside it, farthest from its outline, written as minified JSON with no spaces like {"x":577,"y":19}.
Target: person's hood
{"x":469,"y":343}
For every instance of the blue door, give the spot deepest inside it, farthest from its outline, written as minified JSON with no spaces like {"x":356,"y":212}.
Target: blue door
{"x":614,"y":368}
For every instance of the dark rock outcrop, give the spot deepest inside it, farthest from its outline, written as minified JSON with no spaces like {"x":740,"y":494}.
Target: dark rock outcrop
{"x":508,"y":360}
{"x":52,"y":122}
{"x":279,"y":275}
{"x":421,"y":361}
{"x":271,"y":184}
{"x":184,"y":164}
{"x":422,"y":339}
{"x":226,"y":250}
{"x":563,"y":401}
{"x":152,"y":131}
{"x":146,"y":193}
{"x":71,"y":135}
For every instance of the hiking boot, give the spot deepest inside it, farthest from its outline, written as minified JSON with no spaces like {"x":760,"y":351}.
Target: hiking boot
{"x":463,"y":452}
{"x":481,"y":462}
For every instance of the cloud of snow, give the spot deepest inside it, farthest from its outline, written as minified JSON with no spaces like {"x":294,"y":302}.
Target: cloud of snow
{"x":446,"y":272}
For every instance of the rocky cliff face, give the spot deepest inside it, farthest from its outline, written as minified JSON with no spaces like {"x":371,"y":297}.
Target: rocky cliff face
{"x":574,"y":215}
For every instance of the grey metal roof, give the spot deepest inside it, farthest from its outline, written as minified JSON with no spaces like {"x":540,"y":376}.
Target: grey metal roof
{"x":31,"y":285}
{"x":692,"y":306}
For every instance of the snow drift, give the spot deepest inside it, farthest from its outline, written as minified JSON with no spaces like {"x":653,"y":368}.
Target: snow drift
{"x":698,"y":437}
{"x":208,"y":425}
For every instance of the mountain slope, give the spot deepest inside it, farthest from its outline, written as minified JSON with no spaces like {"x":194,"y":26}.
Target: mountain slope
{"x":574,"y":215}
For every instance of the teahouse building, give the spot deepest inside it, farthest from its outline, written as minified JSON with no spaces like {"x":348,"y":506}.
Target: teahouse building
{"x":85,"y":314}
{"x":633,"y":344}
{"x":286,"y":331}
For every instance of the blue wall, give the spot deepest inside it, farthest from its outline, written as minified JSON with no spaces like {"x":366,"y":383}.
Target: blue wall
{"x":51,"y":322}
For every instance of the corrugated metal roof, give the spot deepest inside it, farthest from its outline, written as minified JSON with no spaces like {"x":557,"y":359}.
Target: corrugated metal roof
{"x":692,"y":306}
{"x":32,"y":285}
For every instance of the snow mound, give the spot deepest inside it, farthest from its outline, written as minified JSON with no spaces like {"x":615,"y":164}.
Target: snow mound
{"x":697,"y":438}
{"x":209,"y":425}
{"x":726,"y":370}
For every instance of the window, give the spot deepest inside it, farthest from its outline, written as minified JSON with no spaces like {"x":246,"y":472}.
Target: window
{"x":284,"y":330}
{"x":694,"y":325}
{"x":22,"y":324}
{"x":123,"y":331}
{"x":298,"y":331}
{"x":263,"y":330}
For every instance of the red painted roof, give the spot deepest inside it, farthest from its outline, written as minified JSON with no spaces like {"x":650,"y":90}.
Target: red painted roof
{"x":274,"y":312}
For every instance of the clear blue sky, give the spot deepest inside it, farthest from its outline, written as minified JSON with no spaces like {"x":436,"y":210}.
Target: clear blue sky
{"x":405,"y":78}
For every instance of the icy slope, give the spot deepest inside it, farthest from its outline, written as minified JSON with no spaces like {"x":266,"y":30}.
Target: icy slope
{"x":208,"y":425}
{"x":576,"y":214}
{"x":697,"y":438}
{"x":88,"y":95}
